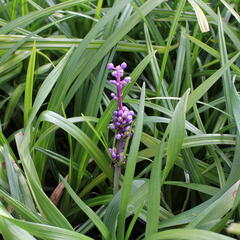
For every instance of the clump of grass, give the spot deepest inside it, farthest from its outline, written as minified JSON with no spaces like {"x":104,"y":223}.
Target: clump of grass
{"x":181,"y":177}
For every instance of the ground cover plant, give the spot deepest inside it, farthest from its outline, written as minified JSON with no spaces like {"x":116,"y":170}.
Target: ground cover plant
{"x":119,"y":119}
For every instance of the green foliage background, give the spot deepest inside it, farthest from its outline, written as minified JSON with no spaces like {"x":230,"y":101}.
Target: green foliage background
{"x":182,"y":176}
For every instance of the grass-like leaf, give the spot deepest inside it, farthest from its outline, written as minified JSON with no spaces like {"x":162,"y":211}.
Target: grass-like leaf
{"x":130,"y":167}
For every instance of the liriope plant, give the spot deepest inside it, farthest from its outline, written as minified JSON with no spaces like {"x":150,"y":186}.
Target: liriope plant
{"x":151,"y":154}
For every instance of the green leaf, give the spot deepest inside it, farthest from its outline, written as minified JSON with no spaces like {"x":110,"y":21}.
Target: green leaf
{"x":230,"y":8}
{"x":231,"y":34}
{"x":13,"y":103}
{"x":173,"y":28}
{"x":194,"y":186}
{"x":59,"y":43}
{"x":235,"y":100}
{"x":44,"y":204}
{"x":113,"y":39}
{"x":20,"y":208}
{"x":87,"y":210}
{"x":137,"y":197}
{"x":207,"y":84}
{"x":176,"y":134}
{"x":202,"y":20}
{"x":153,"y":210}
{"x":178,"y":78}
{"x":11,"y":231}
{"x":217,"y":209}
{"x":25,"y":20}
{"x":81,"y":137}
{"x":130,"y":167}
{"x":49,"y":232}
{"x":188,"y":234}
{"x":29,"y":86}
{"x":12,"y":176}
{"x":227,"y":81}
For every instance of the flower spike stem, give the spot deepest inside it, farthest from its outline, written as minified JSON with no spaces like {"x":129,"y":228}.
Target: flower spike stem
{"x":121,"y":121}
{"x":117,"y":173}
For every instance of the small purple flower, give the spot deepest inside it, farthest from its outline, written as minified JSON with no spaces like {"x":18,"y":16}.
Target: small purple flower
{"x":122,"y":117}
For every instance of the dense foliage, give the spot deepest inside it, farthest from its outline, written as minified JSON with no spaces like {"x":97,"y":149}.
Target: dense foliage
{"x":180,"y":174}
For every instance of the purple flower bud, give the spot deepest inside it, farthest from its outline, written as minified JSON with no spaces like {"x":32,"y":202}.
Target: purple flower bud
{"x":127,"y":79}
{"x":124,"y":122}
{"x":119,"y":71}
{"x":118,"y":136}
{"x":120,"y":113}
{"x":123,"y":65}
{"x":113,"y":95}
{"x":114,"y":74}
{"x":129,"y":117}
{"x":120,"y":119}
{"x":112,"y":82}
{"x":123,"y":83}
{"x":129,"y":121}
{"x":112,"y":126}
{"x":125,"y":115}
{"x":115,"y":98}
{"x":131,"y":113}
{"x":127,"y":128}
{"x":115,"y":113}
{"x":110,"y":66}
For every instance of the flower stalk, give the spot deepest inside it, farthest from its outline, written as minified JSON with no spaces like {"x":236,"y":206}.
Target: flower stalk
{"x":121,"y":121}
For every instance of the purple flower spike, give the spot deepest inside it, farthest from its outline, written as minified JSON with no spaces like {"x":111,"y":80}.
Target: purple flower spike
{"x":122,"y":117}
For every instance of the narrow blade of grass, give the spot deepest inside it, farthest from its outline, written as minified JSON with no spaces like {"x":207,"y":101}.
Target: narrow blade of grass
{"x":49,"y":232}
{"x":29,"y":86}
{"x":188,"y":234}
{"x":130,"y":167}
{"x":87,"y":210}
{"x":204,"y":87}
{"x":176,"y":134}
